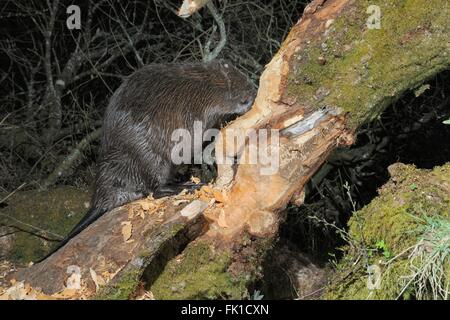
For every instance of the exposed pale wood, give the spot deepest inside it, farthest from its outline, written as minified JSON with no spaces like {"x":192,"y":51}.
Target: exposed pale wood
{"x":189,"y":7}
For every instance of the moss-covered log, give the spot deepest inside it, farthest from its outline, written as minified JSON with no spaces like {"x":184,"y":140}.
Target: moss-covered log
{"x":335,"y":70}
{"x":110,"y":256}
{"x":402,"y":238}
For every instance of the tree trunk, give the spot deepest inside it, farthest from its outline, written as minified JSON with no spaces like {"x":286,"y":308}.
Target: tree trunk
{"x":335,"y":70}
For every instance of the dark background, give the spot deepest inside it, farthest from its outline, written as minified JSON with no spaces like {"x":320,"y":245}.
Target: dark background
{"x":41,"y":122}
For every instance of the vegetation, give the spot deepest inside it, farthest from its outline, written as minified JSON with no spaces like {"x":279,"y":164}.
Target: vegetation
{"x":404,"y":234}
{"x":35,"y":220}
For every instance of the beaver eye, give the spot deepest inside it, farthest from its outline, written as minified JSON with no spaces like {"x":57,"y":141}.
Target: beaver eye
{"x":245,"y":100}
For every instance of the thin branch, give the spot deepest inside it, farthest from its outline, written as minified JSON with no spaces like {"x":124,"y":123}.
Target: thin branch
{"x":72,"y":158}
{"x":53,"y":100}
{"x":223,"y":35}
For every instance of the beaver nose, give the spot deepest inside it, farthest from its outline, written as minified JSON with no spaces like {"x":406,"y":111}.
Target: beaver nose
{"x":248,"y":100}
{"x":245,"y":100}
{"x":246,"y":103}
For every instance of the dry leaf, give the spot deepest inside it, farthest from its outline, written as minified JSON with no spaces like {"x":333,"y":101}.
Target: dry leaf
{"x":195,"y":180}
{"x":107,"y":276}
{"x":130,"y":212}
{"x":127,"y":229}
{"x":178,"y":202}
{"x":41,"y":296}
{"x":147,"y":295}
{"x":218,"y":195}
{"x":17,"y":292}
{"x":222,"y":222}
{"x":207,"y":189}
{"x":3,"y":294}
{"x":145,"y":205}
{"x":66,"y":293}
{"x":27,"y":288}
{"x":98,"y":280}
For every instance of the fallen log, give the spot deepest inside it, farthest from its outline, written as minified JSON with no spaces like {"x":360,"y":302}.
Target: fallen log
{"x":119,"y":246}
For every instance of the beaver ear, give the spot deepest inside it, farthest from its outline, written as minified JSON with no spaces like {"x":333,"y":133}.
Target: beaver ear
{"x":225,"y":63}
{"x":215,"y":63}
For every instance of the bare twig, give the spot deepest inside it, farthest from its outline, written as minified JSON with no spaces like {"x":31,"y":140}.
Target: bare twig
{"x":53,"y":99}
{"x":72,"y":158}
{"x":223,"y":35}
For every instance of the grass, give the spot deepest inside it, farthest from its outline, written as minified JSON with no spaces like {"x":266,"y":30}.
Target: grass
{"x":428,"y":261}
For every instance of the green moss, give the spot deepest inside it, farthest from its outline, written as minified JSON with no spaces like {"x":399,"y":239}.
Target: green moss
{"x":30,"y":212}
{"x":123,"y":289}
{"x":201,"y":273}
{"x":403,"y":219}
{"x":147,"y":264}
{"x":365,"y":69}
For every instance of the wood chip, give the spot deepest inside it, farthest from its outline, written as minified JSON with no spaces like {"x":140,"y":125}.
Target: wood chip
{"x":194,"y":208}
{"x":127,"y":229}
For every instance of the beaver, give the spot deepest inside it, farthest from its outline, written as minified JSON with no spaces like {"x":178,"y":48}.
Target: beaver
{"x":135,"y":149}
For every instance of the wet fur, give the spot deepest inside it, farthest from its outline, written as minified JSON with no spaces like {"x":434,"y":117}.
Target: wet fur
{"x":134,"y":158}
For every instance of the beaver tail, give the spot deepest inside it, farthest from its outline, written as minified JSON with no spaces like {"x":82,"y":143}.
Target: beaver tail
{"x":92,"y":215}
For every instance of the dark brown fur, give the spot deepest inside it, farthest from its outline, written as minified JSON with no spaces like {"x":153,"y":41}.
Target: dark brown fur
{"x":134,"y":157}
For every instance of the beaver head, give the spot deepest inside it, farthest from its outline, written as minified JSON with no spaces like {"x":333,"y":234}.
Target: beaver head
{"x":237,"y":92}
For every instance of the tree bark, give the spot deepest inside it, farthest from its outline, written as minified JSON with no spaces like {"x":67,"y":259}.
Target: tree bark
{"x":334,"y":71}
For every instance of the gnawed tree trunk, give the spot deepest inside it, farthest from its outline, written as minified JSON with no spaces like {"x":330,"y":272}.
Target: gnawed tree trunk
{"x":334,"y":71}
